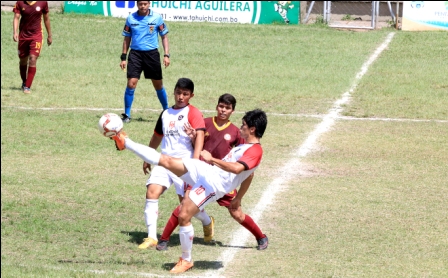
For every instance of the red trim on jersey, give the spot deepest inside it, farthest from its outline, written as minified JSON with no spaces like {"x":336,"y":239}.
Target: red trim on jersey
{"x":195,"y":118}
{"x":251,"y":157}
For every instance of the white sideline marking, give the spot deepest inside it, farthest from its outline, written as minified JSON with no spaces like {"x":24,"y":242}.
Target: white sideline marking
{"x":318,"y":116}
{"x":290,"y":168}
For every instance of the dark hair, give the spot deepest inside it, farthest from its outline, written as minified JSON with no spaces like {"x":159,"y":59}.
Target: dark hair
{"x":185,"y":83}
{"x":227,"y":99}
{"x":144,"y":1}
{"x":258,"y":119}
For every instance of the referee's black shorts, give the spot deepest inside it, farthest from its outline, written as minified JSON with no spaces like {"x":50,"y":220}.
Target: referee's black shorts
{"x":146,"y":61}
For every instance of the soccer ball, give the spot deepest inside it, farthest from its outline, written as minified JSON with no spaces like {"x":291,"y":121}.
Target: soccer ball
{"x":110,"y":124}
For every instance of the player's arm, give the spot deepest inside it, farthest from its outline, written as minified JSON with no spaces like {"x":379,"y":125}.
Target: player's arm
{"x":236,"y":202}
{"x":232,"y":167}
{"x":48,"y":27}
{"x":166,"y":50}
{"x":198,"y":143}
{"x":124,"y":51}
{"x":15,"y":26}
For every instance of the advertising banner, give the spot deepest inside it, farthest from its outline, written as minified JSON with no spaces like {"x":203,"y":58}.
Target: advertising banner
{"x":425,"y":15}
{"x":255,"y":12}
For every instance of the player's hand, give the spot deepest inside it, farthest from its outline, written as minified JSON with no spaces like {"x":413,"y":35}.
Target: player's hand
{"x":146,"y":168}
{"x":15,"y":37}
{"x":123,"y":65}
{"x":235,"y":204}
{"x":190,"y":131}
{"x":49,"y":40}
{"x":166,"y":61}
{"x":206,"y":156}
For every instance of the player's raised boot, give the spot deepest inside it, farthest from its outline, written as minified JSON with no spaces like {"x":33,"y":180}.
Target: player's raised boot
{"x":147,"y":242}
{"x":181,"y":266}
{"x":26,"y":90}
{"x":209,"y":230}
{"x":120,"y":141}
{"x":262,"y":243}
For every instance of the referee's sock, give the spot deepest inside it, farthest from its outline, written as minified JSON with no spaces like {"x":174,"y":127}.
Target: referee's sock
{"x":163,"y":98}
{"x":128,"y":99}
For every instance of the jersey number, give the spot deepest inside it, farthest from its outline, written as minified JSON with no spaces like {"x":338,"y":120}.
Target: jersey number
{"x":38,"y":45}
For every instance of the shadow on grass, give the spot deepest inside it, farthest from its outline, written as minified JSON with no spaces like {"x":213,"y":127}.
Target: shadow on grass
{"x":204,"y":265}
{"x":197,"y":264}
{"x":137,"y":238}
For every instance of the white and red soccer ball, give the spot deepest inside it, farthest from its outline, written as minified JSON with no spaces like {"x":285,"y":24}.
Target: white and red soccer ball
{"x":110,"y":124}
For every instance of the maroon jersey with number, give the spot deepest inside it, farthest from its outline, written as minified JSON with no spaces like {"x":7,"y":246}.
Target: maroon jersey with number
{"x":31,"y":18}
{"x":220,"y":140}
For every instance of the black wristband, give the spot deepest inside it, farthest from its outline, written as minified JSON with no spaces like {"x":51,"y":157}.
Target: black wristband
{"x":123,"y":57}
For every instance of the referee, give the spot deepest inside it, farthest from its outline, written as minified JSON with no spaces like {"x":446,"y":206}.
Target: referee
{"x":141,"y":33}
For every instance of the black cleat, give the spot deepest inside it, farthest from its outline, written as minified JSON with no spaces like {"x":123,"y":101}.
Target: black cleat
{"x":262,"y":243}
{"x":125,"y":118}
{"x":162,"y":245}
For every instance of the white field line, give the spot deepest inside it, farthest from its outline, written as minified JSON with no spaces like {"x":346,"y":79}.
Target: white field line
{"x":319,"y":116}
{"x":292,"y":167}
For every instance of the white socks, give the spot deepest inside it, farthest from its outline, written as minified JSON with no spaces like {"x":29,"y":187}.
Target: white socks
{"x":186,"y":235}
{"x":151,"y":215}
{"x":203,"y":217}
{"x":146,"y":153}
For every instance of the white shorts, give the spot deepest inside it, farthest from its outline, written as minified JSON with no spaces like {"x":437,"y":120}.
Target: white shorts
{"x":205,"y":181}
{"x":166,"y":178}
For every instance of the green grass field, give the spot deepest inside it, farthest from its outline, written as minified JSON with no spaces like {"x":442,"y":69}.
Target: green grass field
{"x":369,"y":200}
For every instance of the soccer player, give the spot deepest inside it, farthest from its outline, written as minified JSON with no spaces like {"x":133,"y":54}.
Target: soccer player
{"x":221,"y":136}
{"x":30,"y":37}
{"x":141,"y":32}
{"x":169,"y":132}
{"x":211,"y":178}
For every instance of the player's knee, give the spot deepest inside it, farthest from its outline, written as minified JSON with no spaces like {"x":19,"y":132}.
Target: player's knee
{"x":184,"y":218}
{"x":132,"y":83}
{"x":153,"y":191}
{"x":32,"y":60}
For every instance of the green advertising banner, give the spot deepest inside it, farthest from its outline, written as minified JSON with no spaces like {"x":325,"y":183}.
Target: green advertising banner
{"x":255,"y":12}
{"x":84,"y":7}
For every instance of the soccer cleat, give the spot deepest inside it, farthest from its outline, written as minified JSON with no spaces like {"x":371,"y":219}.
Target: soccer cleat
{"x":26,"y":90}
{"x":125,"y":118}
{"x":120,"y":142}
{"x":23,"y":85}
{"x":209,"y":231}
{"x":162,"y":245}
{"x":262,"y":243}
{"x":147,"y":242}
{"x":181,"y":266}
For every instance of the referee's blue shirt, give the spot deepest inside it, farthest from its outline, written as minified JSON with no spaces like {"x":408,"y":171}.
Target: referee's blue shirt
{"x":144,"y":30}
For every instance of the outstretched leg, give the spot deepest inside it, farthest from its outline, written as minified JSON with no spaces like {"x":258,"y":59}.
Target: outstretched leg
{"x":150,"y":155}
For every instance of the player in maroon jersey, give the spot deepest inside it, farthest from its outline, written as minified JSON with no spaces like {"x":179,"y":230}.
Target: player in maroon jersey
{"x":30,"y":37}
{"x":221,"y":136}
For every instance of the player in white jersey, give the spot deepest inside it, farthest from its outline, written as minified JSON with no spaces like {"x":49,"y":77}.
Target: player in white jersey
{"x":169,"y":132}
{"x":211,"y":178}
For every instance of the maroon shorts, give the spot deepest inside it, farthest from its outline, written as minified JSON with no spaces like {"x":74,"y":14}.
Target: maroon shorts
{"x":29,"y":47}
{"x":225,"y":200}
